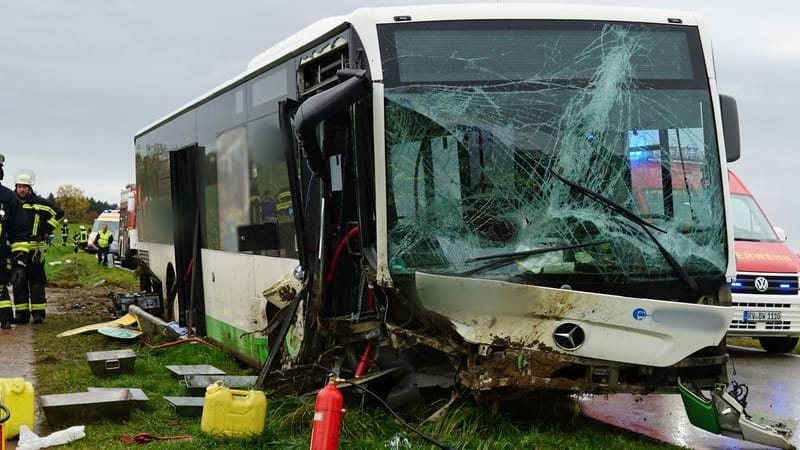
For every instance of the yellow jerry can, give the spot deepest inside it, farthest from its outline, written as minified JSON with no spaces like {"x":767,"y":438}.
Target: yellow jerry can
{"x":17,"y":396}
{"x":232,"y":412}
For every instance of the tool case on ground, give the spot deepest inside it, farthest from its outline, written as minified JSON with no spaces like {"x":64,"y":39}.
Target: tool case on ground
{"x":79,"y":408}
{"x":111,"y":362}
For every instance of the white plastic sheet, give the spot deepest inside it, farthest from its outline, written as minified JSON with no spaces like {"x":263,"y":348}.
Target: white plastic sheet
{"x":28,"y":440}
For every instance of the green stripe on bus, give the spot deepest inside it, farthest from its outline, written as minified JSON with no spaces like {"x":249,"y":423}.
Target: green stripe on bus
{"x":250,"y":347}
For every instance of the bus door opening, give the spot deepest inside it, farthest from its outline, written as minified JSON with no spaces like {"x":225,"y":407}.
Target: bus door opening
{"x":188,"y":234}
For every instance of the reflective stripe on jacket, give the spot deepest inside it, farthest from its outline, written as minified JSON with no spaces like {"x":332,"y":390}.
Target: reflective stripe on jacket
{"x":38,"y":218}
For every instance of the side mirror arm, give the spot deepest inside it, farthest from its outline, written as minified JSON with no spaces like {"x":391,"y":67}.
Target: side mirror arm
{"x":354,"y":87}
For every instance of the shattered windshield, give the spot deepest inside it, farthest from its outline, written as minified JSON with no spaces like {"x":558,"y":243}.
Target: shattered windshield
{"x":576,"y":138}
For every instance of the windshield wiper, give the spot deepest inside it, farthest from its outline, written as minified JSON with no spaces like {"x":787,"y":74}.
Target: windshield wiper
{"x":509,"y":257}
{"x":600,"y":198}
{"x":626,"y":213}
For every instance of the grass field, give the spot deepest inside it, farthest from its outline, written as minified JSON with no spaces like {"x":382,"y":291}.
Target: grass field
{"x":61,"y":367}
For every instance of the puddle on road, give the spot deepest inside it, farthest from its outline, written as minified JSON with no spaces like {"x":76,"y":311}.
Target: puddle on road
{"x":772,"y":390}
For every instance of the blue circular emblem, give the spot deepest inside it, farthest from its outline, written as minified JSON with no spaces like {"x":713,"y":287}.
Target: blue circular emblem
{"x":639,"y":313}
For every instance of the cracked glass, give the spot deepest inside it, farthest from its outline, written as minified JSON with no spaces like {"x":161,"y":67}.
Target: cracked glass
{"x":551,"y":150}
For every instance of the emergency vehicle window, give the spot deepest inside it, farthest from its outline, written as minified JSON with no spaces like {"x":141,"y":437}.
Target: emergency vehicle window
{"x":749,"y":223}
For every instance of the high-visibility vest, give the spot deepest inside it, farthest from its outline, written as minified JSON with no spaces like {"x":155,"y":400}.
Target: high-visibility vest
{"x":102,"y":238}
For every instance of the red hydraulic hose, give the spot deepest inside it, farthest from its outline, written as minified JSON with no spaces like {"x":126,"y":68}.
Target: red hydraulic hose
{"x":363,"y":364}
{"x":179,"y":342}
{"x":353,"y":231}
{"x":188,"y":273}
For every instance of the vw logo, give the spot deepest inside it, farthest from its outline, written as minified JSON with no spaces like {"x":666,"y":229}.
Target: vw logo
{"x":569,"y":336}
{"x":761,"y":284}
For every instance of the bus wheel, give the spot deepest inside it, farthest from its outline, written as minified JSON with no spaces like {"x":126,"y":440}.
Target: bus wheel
{"x":778,"y":344}
{"x":293,"y":341}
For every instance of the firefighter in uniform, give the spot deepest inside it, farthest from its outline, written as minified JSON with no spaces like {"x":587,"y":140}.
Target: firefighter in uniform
{"x":83,"y":238}
{"x":80,"y":239}
{"x":40,"y":218}
{"x":10,"y":228}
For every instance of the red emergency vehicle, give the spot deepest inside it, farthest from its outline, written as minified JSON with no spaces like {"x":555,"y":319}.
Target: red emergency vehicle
{"x":765,"y":291}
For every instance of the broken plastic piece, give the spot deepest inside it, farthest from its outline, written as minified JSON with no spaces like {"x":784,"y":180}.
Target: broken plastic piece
{"x":182,"y":331}
{"x":123,"y":321}
{"x":725,"y":415}
{"x":398,"y":442}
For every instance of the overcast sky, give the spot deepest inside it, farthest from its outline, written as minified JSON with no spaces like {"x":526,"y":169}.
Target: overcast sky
{"x":79,"y":78}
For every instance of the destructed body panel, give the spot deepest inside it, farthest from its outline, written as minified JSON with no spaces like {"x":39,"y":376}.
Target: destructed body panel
{"x":546,"y":179}
{"x":606,"y":327}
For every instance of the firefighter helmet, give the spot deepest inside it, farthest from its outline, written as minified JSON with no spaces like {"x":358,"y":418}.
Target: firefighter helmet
{"x":25,"y":176}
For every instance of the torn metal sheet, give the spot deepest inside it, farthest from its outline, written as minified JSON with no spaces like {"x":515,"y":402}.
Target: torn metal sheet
{"x":282,"y":291}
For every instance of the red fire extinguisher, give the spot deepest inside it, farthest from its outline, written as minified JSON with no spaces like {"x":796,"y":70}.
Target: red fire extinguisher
{"x":327,"y":418}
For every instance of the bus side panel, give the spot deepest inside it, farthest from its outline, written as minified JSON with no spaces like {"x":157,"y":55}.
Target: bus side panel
{"x":235,"y":307}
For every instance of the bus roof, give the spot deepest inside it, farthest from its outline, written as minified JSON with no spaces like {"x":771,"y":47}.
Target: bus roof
{"x":364,"y":20}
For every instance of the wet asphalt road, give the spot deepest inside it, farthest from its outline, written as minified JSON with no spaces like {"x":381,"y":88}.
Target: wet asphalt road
{"x":16,"y":353}
{"x":774,"y":382}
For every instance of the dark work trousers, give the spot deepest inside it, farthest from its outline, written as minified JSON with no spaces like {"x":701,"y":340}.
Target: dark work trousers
{"x":6,"y":314}
{"x":29,"y":297}
{"x":102,"y":255}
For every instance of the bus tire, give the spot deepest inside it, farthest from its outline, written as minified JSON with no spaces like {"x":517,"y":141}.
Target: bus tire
{"x":778,"y":344}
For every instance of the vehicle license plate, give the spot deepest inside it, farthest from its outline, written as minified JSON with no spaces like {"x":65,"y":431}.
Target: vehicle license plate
{"x":761,"y":316}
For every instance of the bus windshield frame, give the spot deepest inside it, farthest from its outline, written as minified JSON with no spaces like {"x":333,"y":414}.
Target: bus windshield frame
{"x":480,"y":115}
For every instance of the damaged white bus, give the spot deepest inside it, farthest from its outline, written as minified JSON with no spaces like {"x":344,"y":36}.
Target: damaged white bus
{"x":447,"y":195}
